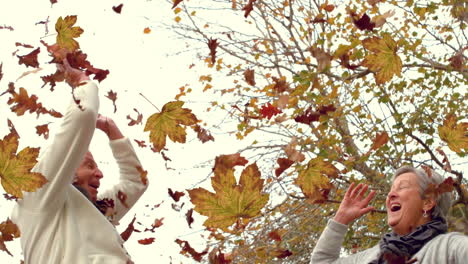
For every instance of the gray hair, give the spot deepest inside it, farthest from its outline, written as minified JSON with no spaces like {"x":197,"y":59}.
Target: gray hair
{"x":443,"y":201}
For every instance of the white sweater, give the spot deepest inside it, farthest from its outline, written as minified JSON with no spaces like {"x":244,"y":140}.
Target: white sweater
{"x":449,"y":248}
{"x":58,"y":224}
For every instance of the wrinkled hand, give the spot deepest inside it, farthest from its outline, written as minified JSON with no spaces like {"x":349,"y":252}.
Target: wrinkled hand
{"x":108,"y":126}
{"x":354,"y":205}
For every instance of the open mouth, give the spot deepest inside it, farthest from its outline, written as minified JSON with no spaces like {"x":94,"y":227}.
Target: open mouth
{"x":395,"y":207}
{"x":94,"y":186}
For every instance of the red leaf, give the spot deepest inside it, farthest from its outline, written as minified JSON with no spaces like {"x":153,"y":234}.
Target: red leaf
{"x":275,"y":235}
{"x":212,"y":45}
{"x":125,"y":235}
{"x":248,"y":8}
{"x":218,"y":257}
{"x":175,"y":195}
{"x":141,"y":143}
{"x":324,"y":109}
{"x":189,"y":217}
{"x":17,"y":44}
{"x":113,"y":97}
{"x":30,"y":60}
{"x":122,"y":198}
{"x":363,"y":23}
{"x":53,"y":79}
{"x":280,"y":84}
{"x":224,"y":162}
{"x":445,"y":161}
{"x":268,"y":110}
{"x":43,"y":130}
{"x":176,"y":2}
{"x":7,"y":27}
{"x":146,"y":241}
{"x":282,"y":253}
{"x":135,"y":121}
{"x":1,"y":72}
{"x":187,"y":249}
{"x":284,"y":164}
{"x":308,"y":117}
{"x":117,"y":9}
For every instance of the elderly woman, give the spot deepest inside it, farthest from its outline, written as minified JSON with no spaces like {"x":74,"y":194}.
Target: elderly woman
{"x":417,"y":220}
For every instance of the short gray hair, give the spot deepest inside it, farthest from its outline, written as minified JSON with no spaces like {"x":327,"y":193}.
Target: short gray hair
{"x":443,"y":202}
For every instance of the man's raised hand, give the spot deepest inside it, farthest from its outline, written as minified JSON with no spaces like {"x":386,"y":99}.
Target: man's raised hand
{"x":108,"y":126}
{"x":354,"y":204}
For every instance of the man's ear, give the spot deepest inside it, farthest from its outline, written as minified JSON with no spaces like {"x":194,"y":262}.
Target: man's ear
{"x":429,"y":203}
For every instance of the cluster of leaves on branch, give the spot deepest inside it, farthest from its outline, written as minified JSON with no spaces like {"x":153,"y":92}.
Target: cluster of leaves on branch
{"x":330,"y":93}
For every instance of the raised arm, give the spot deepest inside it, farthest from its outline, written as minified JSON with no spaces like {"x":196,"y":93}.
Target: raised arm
{"x":130,"y":186}
{"x":353,"y":206}
{"x":60,"y":160}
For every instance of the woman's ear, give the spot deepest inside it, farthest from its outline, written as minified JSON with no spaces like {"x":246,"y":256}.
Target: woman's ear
{"x":429,"y":203}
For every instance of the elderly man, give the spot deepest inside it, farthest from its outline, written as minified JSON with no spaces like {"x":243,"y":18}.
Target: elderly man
{"x":58,"y":223}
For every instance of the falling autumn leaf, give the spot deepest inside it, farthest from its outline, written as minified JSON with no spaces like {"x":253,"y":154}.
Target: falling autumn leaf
{"x":146,"y":241}
{"x":22,"y":102}
{"x":125,"y":235}
{"x":117,"y":9}
{"x":169,"y":123}
{"x":280,"y":84}
{"x":284,"y":164}
{"x":187,"y":249}
{"x":363,"y":23}
{"x":147,"y":30}
{"x":30,"y":60}
{"x":176,"y":3}
{"x":268,"y":111}
{"x":275,"y":235}
{"x":436,"y":190}
{"x":141,"y":143}
{"x":143,"y":175}
{"x":213,"y":45}
{"x":136,"y":121}
{"x":218,"y":257}
{"x":249,"y":76}
{"x":189,"y":217}
{"x":113,"y":97}
{"x":292,"y":153}
{"x":43,"y":130}
{"x":15,"y":169}
{"x":175,"y":195}
{"x":203,"y":134}
{"x":8,"y":231}
{"x":455,"y":135}
{"x":380,"y":140}
{"x":314,"y":180}
{"x":445,"y":161}
{"x":383,"y":60}
{"x":248,"y":8}
{"x":66,"y":33}
{"x":1,"y":71}
{"x":231,"y":201}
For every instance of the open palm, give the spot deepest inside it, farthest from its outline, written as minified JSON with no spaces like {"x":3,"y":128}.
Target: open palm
{"x":354,"y":204}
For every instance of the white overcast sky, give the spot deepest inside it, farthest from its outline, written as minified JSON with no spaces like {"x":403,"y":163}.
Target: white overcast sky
{"x":138,"y":63}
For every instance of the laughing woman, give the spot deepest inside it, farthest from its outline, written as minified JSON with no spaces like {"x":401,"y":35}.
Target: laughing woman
{"x":418,"y":223}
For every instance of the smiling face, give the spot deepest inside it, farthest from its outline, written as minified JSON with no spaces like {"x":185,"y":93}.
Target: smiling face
{"x":405,"y":207}
{"x":88,"y":176}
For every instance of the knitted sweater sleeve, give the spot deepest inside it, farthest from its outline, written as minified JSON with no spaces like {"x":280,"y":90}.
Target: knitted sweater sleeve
{"x":131,"y":185}
{"x":328,"y":247}
{"x":60,"y":160}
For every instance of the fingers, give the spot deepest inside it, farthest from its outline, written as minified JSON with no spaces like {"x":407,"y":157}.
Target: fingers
{"x":370,"y":197}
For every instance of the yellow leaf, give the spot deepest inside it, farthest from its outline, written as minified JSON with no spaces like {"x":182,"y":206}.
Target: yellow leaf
{"x":147,"y":30}
{"x":177,"y":19}
{"x":314,"y":179}
{"x":168,"y":123}
{"x":177,"y":10}
{"x":383,"y":60}
{"x":231,"y":201}
{"x":15,"y":170}
{"x":456,"y":135}
{"x":66,"y":32}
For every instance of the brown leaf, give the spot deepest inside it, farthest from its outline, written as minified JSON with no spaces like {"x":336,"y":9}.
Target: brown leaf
{"x":203,"y":134}
{"x":445,"y":161}
{"x":213,"y":45}
{"x":275,"y":235}
{"x":113,"y":97}
{"x":176,"y":2}
{"x":188,"y":250}
{"x":380,"y":140}
{"x":7,"y":27}
{"x":53,"y":79}
{"x":141,"y":143}
{"x":363,"y":23}
{"x":22,"y":102}
{"x":249,"y":76}
{"x":248,"y":8}
{"x":17,"y":44}
{"x":436,"y":190}
{"x":136,"y":121}
{"x":292,"y":153}
{"x":284,"y":164}
{"x":146,"y":241}
{"x":175,"y":195}
{"x":281,"y":85}
{"x":281,"y":253}
{"x":189,"y":217}
{"x":143,"y":175}
{"x":43,"y":130}
{"x":218,"y":257}
{"x":1,"y":72}
{"x":125,"y":235}
{"x":30,"y":60}
{"x":117,"y":9}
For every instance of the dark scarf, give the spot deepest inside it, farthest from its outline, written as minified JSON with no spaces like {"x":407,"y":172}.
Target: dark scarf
{"x":399,"y":249}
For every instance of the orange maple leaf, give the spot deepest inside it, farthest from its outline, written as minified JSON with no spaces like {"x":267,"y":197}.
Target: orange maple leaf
{"x":314,"y":180}
{"x":231,"y":201}
{"x":383,"y":60}
{"x":15,"y":169}
{"x":169,"y":123}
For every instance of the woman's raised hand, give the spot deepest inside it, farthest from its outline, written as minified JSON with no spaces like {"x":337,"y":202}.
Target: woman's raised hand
{"x":354,"y":204}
